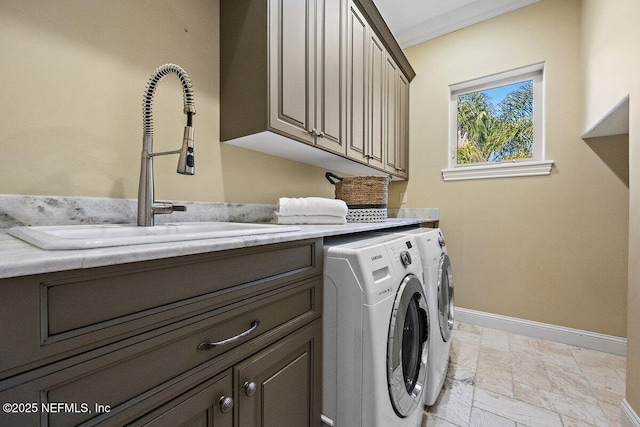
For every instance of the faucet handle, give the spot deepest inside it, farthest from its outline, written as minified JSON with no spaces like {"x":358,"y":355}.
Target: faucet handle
{"x":167,"y":207}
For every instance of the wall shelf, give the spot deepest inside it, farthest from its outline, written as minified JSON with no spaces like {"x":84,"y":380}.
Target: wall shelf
{"x":615,"y":122}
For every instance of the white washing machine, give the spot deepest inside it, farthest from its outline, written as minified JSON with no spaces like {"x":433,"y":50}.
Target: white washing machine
{"x":375,"y":332}
{"x":438,"y":279}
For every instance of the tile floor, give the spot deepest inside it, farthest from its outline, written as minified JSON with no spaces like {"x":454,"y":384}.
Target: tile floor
{"x":498,"y":379}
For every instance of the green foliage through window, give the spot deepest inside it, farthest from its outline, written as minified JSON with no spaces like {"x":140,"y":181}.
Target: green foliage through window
{"x":496,"y":124}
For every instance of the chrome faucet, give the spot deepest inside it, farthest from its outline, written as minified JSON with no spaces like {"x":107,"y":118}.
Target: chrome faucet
{"x":147,"y":206}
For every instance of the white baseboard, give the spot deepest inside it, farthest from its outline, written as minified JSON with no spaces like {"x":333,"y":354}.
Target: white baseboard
{"x":628,"y":417}
{"x":562,"y":334}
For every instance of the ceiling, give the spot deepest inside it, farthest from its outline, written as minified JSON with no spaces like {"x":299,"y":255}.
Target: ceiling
{"x":415,"y":21}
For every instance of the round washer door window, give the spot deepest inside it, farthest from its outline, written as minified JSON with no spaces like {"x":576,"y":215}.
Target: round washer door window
{"x":407,"y":347}
{"x":445,"y":297}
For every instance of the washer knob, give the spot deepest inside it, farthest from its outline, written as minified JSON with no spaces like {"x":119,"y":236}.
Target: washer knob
{"x":405,"y":258}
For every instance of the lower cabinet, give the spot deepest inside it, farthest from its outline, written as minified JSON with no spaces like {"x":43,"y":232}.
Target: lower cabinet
{"x":280,"y":386}
{"x":235,"y":342}
{"x":277,"y":387}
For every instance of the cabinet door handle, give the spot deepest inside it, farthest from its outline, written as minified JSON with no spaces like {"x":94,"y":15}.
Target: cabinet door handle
{"x":226,"y":404}
{"x":249,"y":388}
{"x":321,"y":134}
{"x":208,"y":345}
{"x":313,"y":132}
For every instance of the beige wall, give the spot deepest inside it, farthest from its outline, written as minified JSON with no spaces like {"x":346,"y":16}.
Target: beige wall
{"x":611,"y":59}
{"x":73,"y":78}
{"x":550,"y":249}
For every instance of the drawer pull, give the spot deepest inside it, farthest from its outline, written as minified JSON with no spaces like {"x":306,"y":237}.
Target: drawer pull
{"x":208,"y":345}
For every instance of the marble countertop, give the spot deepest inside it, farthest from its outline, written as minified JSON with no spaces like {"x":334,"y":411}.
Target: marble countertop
{"x":18,"y":258}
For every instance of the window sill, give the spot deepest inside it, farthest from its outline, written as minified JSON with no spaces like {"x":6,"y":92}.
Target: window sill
{"x":498,"y":170}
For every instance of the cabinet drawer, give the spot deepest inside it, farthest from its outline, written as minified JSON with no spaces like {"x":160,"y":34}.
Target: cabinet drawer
{"x":61,"y":314}
{"x":127,"y":377}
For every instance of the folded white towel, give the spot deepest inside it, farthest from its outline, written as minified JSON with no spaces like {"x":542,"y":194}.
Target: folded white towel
{"x":309,"y":219}
{"x":312,"y":206}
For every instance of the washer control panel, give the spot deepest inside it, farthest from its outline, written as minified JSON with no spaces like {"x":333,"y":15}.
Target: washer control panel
{"x":404,"y":252}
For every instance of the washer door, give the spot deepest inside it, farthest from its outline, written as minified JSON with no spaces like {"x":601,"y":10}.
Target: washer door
{"x":445,"y":297}
{"x":407,"y":347}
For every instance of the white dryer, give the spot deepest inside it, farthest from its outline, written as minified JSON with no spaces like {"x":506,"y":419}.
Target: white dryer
{"x":438,"y":279}
{"x":375,"y":332}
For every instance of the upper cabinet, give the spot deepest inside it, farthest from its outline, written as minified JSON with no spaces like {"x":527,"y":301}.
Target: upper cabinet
{"x":357,"y":83}
{"x":330,"y":100}
{"x":308,"y":80}
{"x":376,"y":101}
{"x":397,"y":120}
{"x":305,"y":71}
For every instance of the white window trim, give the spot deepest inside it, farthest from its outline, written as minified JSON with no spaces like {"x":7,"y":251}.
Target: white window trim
{"x":536,"y":166}
{"x":499,"y":170}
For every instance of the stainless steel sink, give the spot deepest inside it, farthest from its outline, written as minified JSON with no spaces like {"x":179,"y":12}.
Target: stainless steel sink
{"x":105,"y":235}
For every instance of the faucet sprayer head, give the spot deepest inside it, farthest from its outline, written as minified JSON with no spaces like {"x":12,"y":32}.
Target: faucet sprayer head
{"x":186,"y":161}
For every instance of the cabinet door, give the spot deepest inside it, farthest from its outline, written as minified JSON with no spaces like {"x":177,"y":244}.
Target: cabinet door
{"x":281,"y":386}
{"x":402,"y":163}
{"x":208,"y":405}
{"x":357,"y":120}
{"x":330,"y":74}
{"x":292,"y":29}
{"x":391,"y":131}
{"x":377,"y":118}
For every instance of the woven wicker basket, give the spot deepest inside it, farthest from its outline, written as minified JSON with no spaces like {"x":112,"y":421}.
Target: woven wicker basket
{"x":365,"y":196}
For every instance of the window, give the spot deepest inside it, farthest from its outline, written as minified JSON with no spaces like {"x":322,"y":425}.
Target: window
{"x":497,"y":126}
